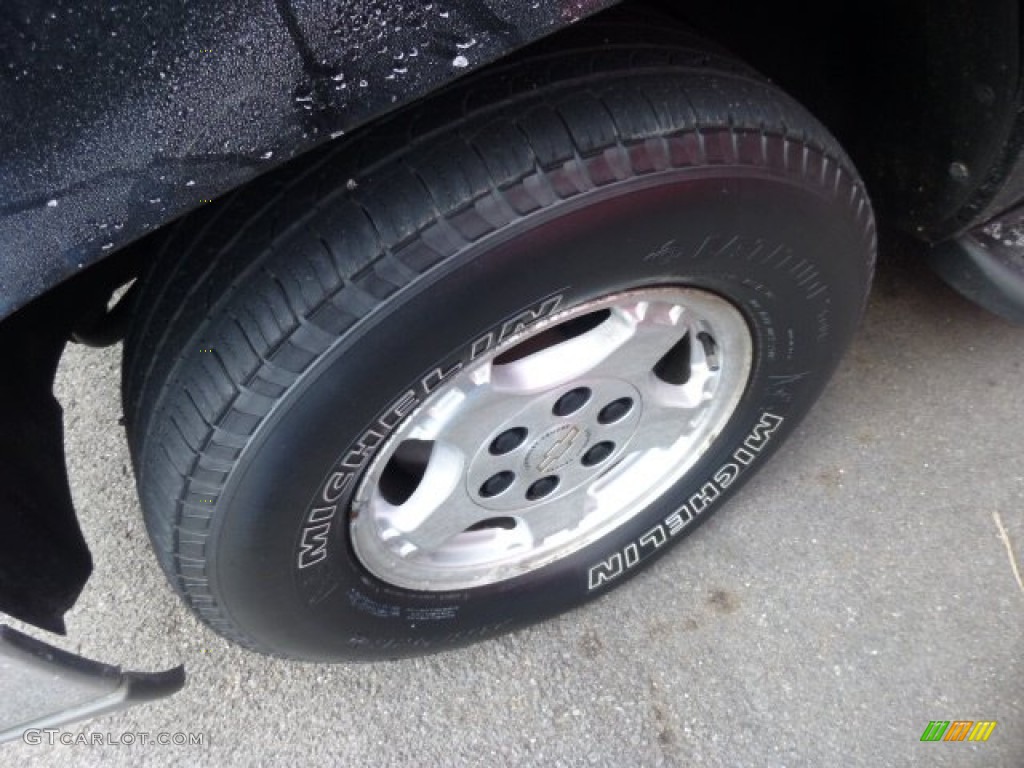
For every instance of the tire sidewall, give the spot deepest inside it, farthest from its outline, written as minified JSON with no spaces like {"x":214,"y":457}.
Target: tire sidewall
{"x":789,"y":256}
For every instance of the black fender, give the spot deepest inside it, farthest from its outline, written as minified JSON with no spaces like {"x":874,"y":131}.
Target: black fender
{"x":118,"y":118}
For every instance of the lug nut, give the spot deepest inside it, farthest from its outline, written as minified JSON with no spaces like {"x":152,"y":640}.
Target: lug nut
{"x":542,"y":487}
{"x":571,"y":401}
{"x":615,"y":410}
{"x":598,"y":453}
{"x":508,"y":441}
{"x":496,"y":484}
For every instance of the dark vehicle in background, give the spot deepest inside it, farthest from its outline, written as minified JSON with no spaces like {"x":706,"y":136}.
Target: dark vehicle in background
{"x":443,"y":318}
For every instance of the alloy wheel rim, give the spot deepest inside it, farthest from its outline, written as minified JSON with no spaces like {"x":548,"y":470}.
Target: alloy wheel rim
{"x":564,"y":433}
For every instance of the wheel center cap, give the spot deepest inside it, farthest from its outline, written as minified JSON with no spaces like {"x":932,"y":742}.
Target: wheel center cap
{"x":556,"y":448}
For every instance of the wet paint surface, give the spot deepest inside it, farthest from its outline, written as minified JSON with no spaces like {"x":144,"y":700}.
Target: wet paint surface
{"x":118,"y":117}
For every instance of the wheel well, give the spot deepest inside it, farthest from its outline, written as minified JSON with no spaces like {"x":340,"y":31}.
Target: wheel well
{"x":923,"y":94}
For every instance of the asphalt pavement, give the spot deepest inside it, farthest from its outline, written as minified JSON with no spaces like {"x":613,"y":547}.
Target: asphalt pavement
{"x":855,"y":590}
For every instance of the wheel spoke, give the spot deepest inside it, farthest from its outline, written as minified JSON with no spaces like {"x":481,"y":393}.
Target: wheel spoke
{"x":437,"y":510}
{"x":473,"y":547}
{"x":549,"y":525}
{"x":639,"y":469}
{"x":654,"y":328}
{"x":696,"y":390}
{"x":561,"y":363}
{"x":467,"y":415}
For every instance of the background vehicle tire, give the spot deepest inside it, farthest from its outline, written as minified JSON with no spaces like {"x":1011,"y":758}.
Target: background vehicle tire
{"x":414,"y":315}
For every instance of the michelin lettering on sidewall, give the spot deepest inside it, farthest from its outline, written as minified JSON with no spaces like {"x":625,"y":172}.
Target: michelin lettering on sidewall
{"x":661,"y":533}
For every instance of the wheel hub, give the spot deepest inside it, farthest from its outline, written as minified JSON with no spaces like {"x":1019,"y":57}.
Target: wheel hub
{"x":553,"y":440}
{"x":568,"y":436}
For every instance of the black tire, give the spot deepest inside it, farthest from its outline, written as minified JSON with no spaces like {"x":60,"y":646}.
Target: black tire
{"x":278,"y":327}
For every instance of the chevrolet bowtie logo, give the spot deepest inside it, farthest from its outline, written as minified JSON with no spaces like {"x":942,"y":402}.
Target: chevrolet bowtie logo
{"x":559,"y":448}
